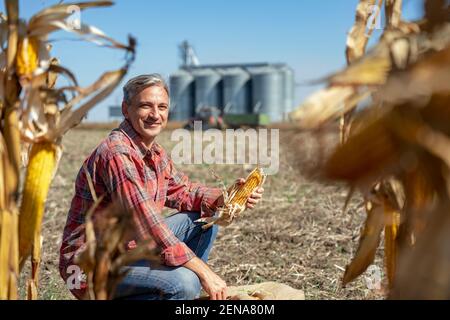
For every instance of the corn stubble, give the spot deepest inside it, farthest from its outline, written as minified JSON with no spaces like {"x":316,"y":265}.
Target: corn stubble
{"x":396,"y":150}
{"x":35,"y":115}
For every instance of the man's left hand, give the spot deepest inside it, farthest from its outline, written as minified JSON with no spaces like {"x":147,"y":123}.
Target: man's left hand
{"x":254,"y":198}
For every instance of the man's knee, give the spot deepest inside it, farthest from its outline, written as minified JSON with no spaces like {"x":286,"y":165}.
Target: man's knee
{"x":186,"y":285}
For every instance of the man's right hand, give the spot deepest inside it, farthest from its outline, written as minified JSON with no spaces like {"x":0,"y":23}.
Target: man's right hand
{"x":214,"y":286}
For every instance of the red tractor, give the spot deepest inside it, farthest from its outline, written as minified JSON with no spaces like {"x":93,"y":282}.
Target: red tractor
{"x":211,"y":117}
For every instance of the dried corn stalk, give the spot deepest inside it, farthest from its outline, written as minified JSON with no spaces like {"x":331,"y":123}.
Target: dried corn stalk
{"x":105,"y":255}
{"x":367,"y":74}
{"x":358,"y":36}
{"x":393,"y":10}
{"x":107,"y":233}
{"x":9,"y":155}
{"x":235,"y":199}
{"x":43,"y":115}
{"x":8,"y":225}
{"x":399,"y":144}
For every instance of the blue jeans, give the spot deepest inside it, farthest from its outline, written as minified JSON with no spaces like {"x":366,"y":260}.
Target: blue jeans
{"x":152,"y":281}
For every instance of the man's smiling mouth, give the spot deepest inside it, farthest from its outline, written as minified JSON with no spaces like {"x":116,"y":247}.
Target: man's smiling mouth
{"x":152,"y":124}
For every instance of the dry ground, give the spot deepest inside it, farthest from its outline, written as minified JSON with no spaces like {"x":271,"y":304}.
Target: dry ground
{"x":298,"y":235}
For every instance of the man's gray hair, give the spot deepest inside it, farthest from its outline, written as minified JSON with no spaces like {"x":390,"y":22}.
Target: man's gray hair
{"x":139,"y":83}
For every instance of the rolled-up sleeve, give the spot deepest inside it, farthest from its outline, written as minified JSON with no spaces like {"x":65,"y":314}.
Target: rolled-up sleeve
{"x":123,"y":175}
{"x":184,"y":195}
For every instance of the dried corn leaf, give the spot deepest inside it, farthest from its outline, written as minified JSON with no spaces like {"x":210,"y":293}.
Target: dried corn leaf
{"x":42,"y":23}
{"x":435,"y":142}
{"x":421,"y":192}
{"x":366,"y":156}
{"x":393,"y":9}
{"x":357,"y":38}
{"x":61,"y":11}
{"x":437,"y":12}
{"x":55,"y":18}
{"x":423,"y":273}
{"x":395,"y":49}
{"x":371,"y":71}
{"x":327,"y":105}
{"x":431,"y":75}
{"x":392,"y":221}
{"x":102,"y":88}
{"x":369,"y":240}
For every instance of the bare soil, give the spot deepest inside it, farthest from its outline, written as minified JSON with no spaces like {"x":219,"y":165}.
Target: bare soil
{"x":298,"y":235}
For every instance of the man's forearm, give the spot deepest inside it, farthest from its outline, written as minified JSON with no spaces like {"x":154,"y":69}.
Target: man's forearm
{"x":197,"y":266}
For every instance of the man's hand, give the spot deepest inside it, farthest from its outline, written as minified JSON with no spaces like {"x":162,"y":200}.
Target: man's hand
{"x":214,"y":286}
{"x":255,"y":197}
{"x":252,"y":201}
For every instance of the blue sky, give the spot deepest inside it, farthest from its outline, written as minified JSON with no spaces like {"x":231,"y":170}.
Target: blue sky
{"x":308,"y":35}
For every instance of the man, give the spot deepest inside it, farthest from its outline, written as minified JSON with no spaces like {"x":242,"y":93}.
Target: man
{"x":130,"y":166}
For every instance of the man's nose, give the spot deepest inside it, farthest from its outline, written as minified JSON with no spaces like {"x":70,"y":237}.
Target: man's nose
{"x":153,"y":113}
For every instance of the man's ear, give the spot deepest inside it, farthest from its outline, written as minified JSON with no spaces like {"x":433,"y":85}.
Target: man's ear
{"x":125,"y":109}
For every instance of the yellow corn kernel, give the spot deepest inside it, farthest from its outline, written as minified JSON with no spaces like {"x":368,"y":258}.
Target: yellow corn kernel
{"x":40,"y":171}
{"x":27,"y":56}
{"x":254,"y":179}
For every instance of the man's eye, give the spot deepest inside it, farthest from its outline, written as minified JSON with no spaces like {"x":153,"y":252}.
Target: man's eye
{"x":144,"y":106}
{"x":163,"y":107}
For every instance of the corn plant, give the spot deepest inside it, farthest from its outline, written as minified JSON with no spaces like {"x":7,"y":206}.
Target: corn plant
{"x":396,"y":150}
{"x":35,"y":115}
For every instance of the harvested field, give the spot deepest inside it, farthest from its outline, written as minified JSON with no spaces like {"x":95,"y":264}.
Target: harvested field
{"x":298,"y":235}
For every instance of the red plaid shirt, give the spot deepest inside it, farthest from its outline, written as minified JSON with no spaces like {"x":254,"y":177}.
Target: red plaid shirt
{"x":145,"y":180}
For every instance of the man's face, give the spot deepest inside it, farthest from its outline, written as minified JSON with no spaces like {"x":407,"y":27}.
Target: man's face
{"x":148,"y":112}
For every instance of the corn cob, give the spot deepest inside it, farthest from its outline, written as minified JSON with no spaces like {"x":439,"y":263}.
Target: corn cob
{"x":27,"y":56}
{"x":41,"y":166}
{"x":242,"y":192}
{"x":235,"y":199}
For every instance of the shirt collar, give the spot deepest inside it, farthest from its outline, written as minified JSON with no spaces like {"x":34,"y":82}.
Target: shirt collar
{"x":136,"y":140}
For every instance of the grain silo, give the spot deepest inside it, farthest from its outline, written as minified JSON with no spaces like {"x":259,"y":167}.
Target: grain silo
{"x":236,"y":91}
{"x":208,"y":92}
{"x":267,"y":92}
{"x":288,"y":90}
{"x":181,"y":96}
